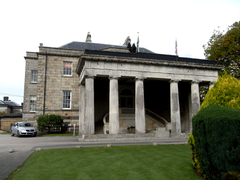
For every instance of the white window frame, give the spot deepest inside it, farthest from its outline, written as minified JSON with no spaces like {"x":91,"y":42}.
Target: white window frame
{"x":34,"y":76}
{"x":33,"y":100}
{"x":67,"y":68}
{"x":66,"y":99}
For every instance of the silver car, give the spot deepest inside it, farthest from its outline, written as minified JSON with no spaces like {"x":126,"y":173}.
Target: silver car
{"x":23,"y":129}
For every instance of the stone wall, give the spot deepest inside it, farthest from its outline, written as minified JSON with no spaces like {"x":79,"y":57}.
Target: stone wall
{"x":56,"y":82}
{"x":5,"y":110}
{"x":30,"y":89}
{"x":7,"y":122}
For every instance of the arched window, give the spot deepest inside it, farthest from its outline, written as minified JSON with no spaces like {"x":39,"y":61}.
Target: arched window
{"x":126,"y":99}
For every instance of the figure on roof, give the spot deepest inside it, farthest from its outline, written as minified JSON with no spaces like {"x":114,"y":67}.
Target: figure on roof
{"x":127,"y":41}
{"x":132,"y":48}
{"x":88,"y":39}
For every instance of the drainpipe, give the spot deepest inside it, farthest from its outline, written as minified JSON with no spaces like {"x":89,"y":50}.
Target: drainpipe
{"x":45,"y":85}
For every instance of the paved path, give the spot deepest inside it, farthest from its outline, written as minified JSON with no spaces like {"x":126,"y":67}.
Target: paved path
{"x":25,"y":146}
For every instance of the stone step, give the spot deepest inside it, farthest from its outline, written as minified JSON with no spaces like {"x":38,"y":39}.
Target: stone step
{"x":116,"y":137}
{"x":127,"y":115}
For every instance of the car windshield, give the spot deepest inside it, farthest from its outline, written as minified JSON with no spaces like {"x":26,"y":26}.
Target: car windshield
{"x":25,"y":125}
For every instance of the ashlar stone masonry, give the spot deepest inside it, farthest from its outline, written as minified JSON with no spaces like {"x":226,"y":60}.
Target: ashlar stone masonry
{"x":113,"y":91}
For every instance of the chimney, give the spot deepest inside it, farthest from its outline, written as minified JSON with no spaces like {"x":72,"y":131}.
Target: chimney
{"x":88,"y":39}
{"x":5,"y":98}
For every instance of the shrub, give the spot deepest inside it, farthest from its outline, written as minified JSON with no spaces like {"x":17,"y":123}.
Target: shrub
{"x":49,"y":121}
{"x":225,"y":92}
{"x":195,"y":161}
{"x":231,"y":176}
{"x":216,"y":131}
{"x":2,"y":113}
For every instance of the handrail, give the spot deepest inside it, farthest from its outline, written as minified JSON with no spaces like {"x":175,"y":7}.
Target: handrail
{"x":105,"y":118}
{"x":148,"y":112}
{"x":156,"y":116}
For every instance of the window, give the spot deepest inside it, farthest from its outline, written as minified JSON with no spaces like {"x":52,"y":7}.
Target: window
{"x":33,"y":103}
{"x":126,"y":99}
{"x":67,"y":68}
{"x":66,"y":100}
{"x":34,"y":75}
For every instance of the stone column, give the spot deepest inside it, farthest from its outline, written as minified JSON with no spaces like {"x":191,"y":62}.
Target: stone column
{"x":89,"y":106}
{"x":190,"y":111}
{"x":211,"y":84}
{"x":195,"y":97}
{"x":81,"y":108}
{"x":139,"y":106}
{"x":175,"y":108}
{"x":113,"y":106}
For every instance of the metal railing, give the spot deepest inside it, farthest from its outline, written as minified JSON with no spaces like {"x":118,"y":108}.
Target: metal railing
{"x":156,"y":117}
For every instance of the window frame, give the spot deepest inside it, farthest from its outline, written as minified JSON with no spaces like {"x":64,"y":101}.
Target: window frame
{"x":69,"y":103}
{"x":34,"y":76}
{"x":33,"y":103}
{"x":66,"y":70}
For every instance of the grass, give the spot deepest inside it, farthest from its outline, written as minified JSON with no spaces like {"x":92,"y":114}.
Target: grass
{"x":5,"y":132}
{"x":165,"y":162}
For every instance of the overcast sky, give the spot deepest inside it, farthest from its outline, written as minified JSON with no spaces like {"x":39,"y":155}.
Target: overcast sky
{"x":25,"y":24}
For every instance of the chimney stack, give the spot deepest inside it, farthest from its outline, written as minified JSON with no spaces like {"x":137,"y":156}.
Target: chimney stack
{"x":5,"y":98}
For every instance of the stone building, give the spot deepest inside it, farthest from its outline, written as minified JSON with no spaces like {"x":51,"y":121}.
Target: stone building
{"x":109,"y":89}
{"x":10,"y":112}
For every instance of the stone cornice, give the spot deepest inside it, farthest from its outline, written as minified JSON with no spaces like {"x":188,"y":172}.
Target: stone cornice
{"x":27,"y":57}
{"x":148,"y":61}
{"x":60,"y":54}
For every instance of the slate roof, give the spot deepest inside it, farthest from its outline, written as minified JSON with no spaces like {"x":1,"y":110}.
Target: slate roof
{"x":9,"y":103}
{"x":96,"y":46}
{"x":151,"y":56}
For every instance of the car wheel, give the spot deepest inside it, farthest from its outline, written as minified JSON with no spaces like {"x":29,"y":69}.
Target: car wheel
{"x":34,"y":135}
{"x":12,"y":134}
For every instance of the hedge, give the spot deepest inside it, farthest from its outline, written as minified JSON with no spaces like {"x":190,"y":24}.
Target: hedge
{"x":49,"y":121}
{"x":216,"y":131}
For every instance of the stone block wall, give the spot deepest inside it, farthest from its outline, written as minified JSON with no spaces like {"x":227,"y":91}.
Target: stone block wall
{"x":6,"y":123}
{"x":5,"y":110}
{"x":56,"y":82}
{"x":30,"y":89}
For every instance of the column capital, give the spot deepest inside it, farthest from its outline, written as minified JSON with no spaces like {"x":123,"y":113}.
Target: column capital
{"x":174,"y":80}
{"x":89,"y":76}
{"x":113,"y":77}
{"x":195,"y":82}
{"x":211,"y":83}
{"x":139,"y":78}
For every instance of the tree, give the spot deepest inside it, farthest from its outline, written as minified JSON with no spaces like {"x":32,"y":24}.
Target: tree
{"x":225,"y":93}
{"x":225,"y":48}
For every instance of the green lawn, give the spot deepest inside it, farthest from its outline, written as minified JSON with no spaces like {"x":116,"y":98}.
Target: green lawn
{"x":5,"y":132}
{"x":162,"y":162}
